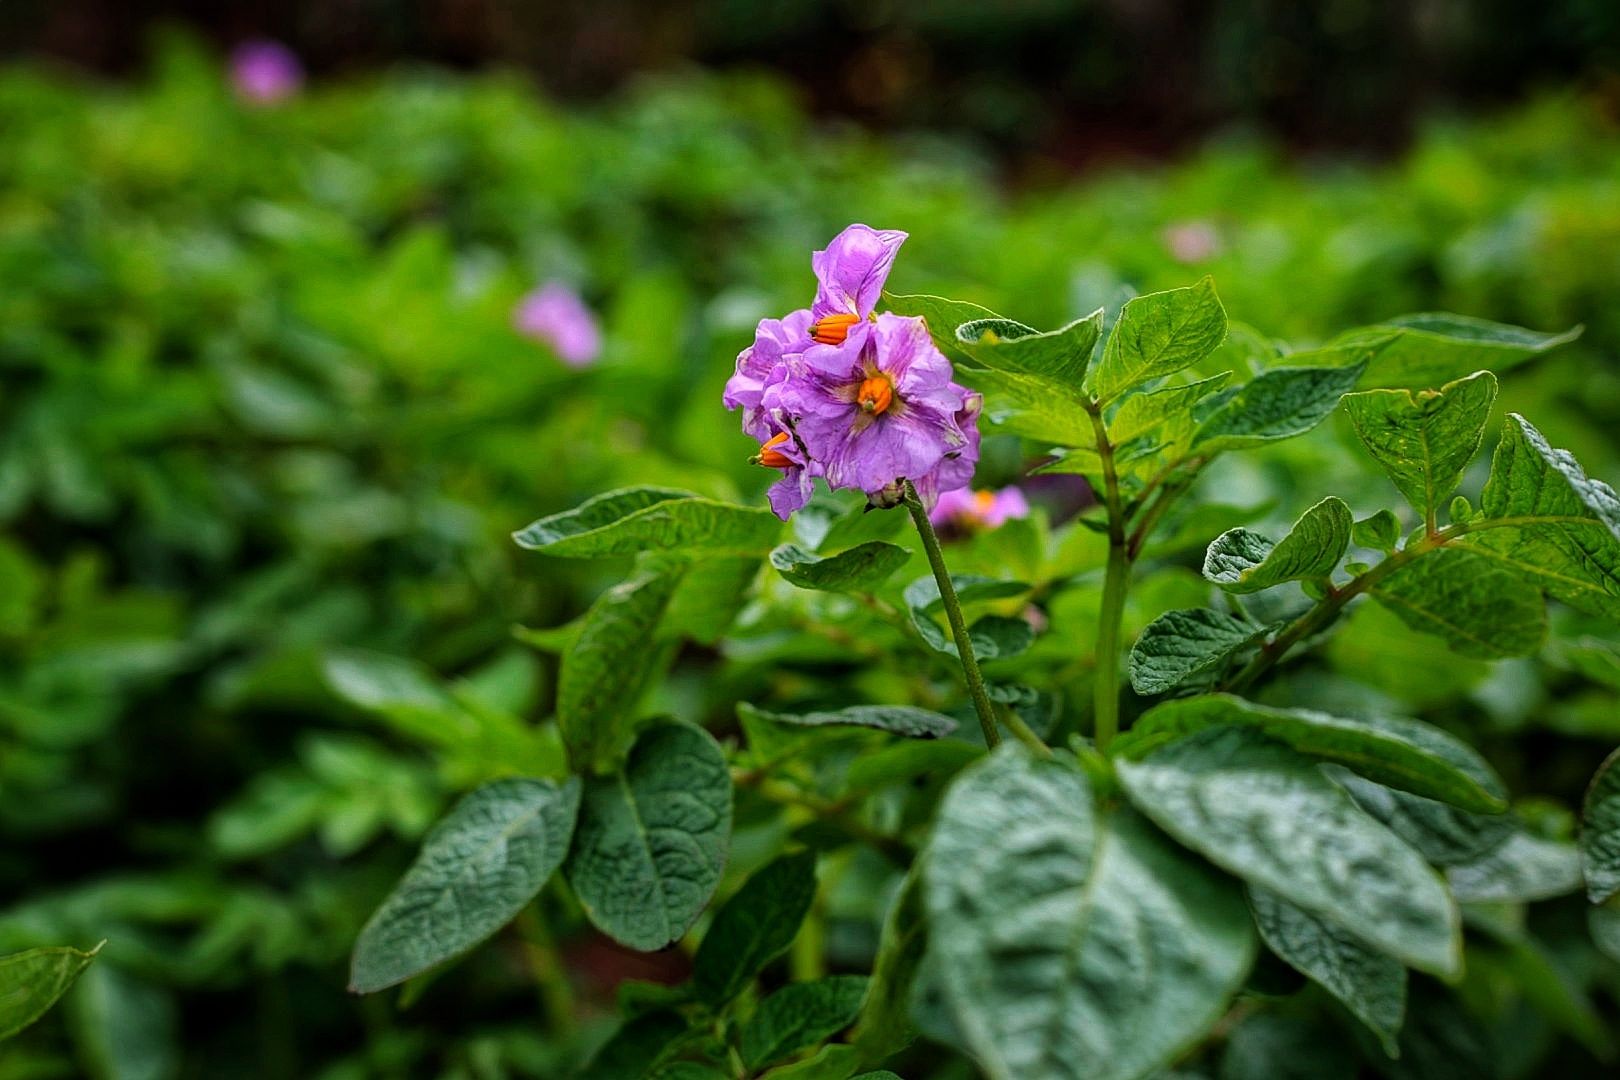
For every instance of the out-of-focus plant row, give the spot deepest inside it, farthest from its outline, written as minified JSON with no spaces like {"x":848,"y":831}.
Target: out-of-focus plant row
{"x":266,"y":421}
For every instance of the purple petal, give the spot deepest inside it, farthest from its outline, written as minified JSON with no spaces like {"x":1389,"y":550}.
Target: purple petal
{"x":853,"y":268}
{"x":265,"y":72}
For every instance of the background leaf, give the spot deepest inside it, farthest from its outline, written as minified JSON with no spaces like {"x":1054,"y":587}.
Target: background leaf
{"x":1179,"y":645}
{"x":905,"y":720}
{"x":1241,"y":561}
{"x":1600,"y":832}
{"x":1476,"y":606}
{"x":858,"y":569}
{"x":1278,"y":404}
{"x":800,"y":1015}
{"x":477,"y":869}
{"x":754,"y":927}
{"x":652,"y":840}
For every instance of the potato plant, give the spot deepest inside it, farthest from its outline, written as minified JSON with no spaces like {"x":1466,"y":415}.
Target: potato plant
{"x":1196,"y":865}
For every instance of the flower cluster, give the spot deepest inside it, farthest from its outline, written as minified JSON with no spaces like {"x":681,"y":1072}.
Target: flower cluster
{"x":863,"y":400}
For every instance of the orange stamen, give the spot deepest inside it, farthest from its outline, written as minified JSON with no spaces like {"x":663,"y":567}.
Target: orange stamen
{"x":772,"y":458}
{"x":875,"y":395}
{"x":983,"y":501}
{"x":832,"y":329}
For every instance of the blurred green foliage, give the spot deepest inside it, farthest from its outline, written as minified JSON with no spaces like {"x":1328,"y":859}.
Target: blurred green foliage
{"x":262,"y":406}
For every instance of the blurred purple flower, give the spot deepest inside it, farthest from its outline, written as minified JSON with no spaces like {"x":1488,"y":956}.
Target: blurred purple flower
{"x":968,"y":510}
{"x":881,"y":407}
{"x":1192,"y":242}
{"x":265,"y":72}
{"x":554,"y":314}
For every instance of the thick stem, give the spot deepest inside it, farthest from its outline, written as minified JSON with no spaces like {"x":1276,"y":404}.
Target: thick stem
{"x":953,"y":615}
{"x":1105,"y":701}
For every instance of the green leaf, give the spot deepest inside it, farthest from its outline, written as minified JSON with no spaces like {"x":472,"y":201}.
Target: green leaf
{"x":1434,"y":348}
{"x":835,"y":1062}
{"x":754,"y":927}
{"x":800,"y":1015}
{"x":1600,"y":832}
{"x":1442,"y":834}
{"x":1478,"y":607}
{"x":477,"y":869}
{"x":1380,"y":531}
{"x":686,"y":1070}
{"x":1283,"y":1043}
{"x":1278,"y":404}
{"x":1179,"y":645}
{"x":651,"y":840}
{"x":635,"y":1048}
{"x":859,"y":569}
{"x":1063,"y":955}
{"x":1142,"y":414}
{"x":706,"y":602}
{"x":1371,"y":985}
{"x":1424,"y":440}
{"x":1267,"y":814}
{"x":1521,"y":869}
{"x":942,"y":317}
{"x":124,"y":1027}
{"x":922,"y":595}
{"x":994,"y":637}
{"x":900,"y":719}
{"x":901,"y":762}
{"x":885,"y":1025}
{"x":606,"y":667}
{"x":633,"y":520}
{"x":1241,"y":561}
{"x":1058,"y":358}
{"x":1157,"y":335}
{"x":32,"y":981}
{"x":1025,"y":406}
{"x":1565,"y":528}
{"x":1406,"y":754}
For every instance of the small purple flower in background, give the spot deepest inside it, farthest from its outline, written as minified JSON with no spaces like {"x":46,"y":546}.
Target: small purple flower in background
{"x":862,"y":400}
{"x":265,"y":72}
{"x":881,"y":407}
{"x":554,"y":314}
{"x":1192,"y":242}
{"x":965,"y":510}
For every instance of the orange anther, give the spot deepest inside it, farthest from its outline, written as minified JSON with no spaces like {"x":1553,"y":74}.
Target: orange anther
{"x":875,"y":395}
{"x":832,"y":329}
{"x":771,"y":457}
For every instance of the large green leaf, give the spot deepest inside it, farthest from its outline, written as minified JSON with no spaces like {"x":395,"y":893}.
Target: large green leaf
{"x":477,"y":868}
{"x":636,"y":1047}
{"x":606,"y":666}
{"x":1063,"y":953}
{"x":1478,"y":607}
{"x":1157,"y":335}
{"x":1434,"y":348}
{"x":1565,"y":528}
{"x":1278,"y":404}
{"x":651,"y":840}
{"x":800,"y":1015}
{"x":885,"y":1025}
{"x":1371,"y":985}
{"x":1441,"y":833}
{"x":1022,"y":405}
{"x":1406,"y":754}
{"x":900,"y":719}
{"x":1268,"y":814}
{"x":859,"y":569}
{"x":942,"y":317}
{"x":1600,"y":832}
{"x":32,"y":981}
{"x":1241,"y":561}
{"x":1523,"y":868}
{"x":1424,"y":439}
{"x":754,"y":927}
{"x":1058,"y":358}
{"x":1179,"y":645}
{"x":633,"y":520}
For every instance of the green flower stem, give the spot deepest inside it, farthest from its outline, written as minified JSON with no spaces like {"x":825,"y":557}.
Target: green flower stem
{"x":953,"y":615}
{"x":1105,"y":702}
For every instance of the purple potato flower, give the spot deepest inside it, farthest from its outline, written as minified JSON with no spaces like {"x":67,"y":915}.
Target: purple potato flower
{"x":265,"y":72}
{"x":777,"y":344}
{"x":554,"y":314}
{"x":966,"y":510}
{"x":880,"y":408}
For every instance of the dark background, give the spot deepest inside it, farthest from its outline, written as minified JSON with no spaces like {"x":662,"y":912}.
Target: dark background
{"x":1044,"y":80}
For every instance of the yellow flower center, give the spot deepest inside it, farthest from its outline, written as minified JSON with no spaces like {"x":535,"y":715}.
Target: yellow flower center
{"x":875,"y":395}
